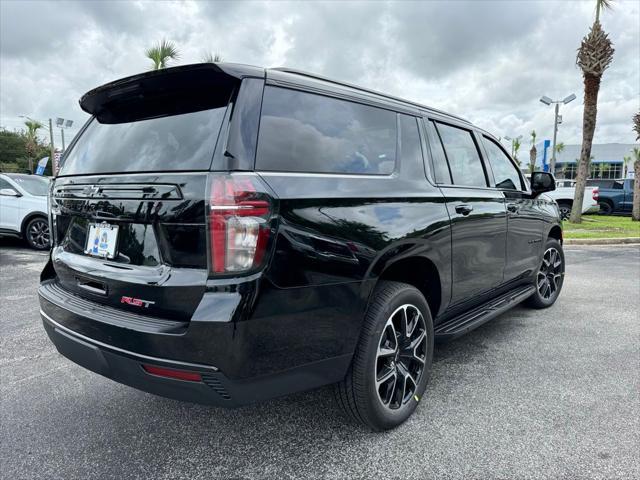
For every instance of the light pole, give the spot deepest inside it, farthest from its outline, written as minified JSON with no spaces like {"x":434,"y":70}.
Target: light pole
{"x":557,"y":120}
{"x":61,"y":123}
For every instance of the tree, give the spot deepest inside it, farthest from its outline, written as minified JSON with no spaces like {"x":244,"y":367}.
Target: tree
{"x":161,"y":53}
{"x":211,"y":58}
{"x":13,"y":148}
{"x":516,"y":149}
{"x":560,"y":147}
{"x":594,"y":57}
{"x":31,"y":137}
{"x":533,"y":153}
{"x":635,"y":212}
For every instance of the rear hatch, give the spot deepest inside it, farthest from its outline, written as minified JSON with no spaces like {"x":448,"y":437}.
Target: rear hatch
{"x":129,"y":207}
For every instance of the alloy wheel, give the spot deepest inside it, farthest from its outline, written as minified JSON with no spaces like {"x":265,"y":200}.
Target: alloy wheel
{"x":550,"y":274}
{"x":401,"y":356}
{"x":39,"y":234}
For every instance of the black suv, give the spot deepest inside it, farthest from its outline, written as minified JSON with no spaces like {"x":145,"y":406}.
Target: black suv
{"x":225,"y":234}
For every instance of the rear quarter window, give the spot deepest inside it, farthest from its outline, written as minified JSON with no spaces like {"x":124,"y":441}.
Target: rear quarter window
{"x":305,"y":132}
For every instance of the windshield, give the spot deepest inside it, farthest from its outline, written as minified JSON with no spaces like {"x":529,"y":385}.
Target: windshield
{"x":37,"y":186}
{"x":176,"y":142}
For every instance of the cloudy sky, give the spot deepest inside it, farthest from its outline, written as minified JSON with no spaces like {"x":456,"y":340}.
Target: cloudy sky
{"x":487,"y":61}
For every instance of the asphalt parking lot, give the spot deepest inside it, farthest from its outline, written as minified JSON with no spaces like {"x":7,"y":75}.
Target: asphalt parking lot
{"x":533,"y":394}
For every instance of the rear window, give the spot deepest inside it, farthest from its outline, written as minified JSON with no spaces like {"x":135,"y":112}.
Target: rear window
{"x":305,"y":132}
{"x":605,"y":184}
{"x":176,"y":142}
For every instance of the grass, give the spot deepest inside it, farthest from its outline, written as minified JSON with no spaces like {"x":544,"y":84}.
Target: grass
{"x":602,"y":226}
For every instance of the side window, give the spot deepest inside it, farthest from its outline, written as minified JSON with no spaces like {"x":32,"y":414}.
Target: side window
{"x":505,"y":173}
{"x":618,"y":185}
{"x":410,"y":148}
{"x":305,"y":132}
{"x":462,"y":154}
{"x":440,"y":167}
{"x":5,"y":184}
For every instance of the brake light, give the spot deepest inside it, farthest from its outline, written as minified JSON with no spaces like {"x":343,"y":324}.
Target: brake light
{"x":239,"y":213}
{"x":173,"y":373}
{"x":596,"y":194}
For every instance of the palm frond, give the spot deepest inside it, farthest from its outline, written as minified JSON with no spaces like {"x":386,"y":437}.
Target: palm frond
{"x":161,"y":53}
{"x":636,"y":125}
{"x":211,"y":58}
{"x":601,"y":6}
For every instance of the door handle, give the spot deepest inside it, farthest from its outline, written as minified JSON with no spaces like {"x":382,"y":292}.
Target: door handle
{"x":512,"y":207}
{"x":464,"y":209}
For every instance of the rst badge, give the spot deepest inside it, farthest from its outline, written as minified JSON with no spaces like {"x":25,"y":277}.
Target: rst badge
{"x":136,"y":302}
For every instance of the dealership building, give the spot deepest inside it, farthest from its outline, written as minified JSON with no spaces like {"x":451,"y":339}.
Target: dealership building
{"x":608,"y":160}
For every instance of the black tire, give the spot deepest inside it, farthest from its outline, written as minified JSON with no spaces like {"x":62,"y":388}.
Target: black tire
{"x":605,"y":208}
{"x":37,"y":234}
{"x":359,"y":393}
{"x":549,"y":278}
{"x":565,"y":210}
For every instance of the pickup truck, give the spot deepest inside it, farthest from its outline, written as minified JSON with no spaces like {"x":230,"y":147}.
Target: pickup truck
{"x":616,"y":196}
{"x":564,"y":194}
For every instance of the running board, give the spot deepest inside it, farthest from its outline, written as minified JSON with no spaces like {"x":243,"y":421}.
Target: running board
{"x":471,"y":319}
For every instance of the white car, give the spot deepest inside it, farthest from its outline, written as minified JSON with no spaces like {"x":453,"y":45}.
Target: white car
{"x":564,"y":194}
{"x":23,"y":208}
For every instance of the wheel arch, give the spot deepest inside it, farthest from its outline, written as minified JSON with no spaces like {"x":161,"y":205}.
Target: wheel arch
{"x":556,"y":232}
{"x":420,"y":272}
{"x":30,"y":216}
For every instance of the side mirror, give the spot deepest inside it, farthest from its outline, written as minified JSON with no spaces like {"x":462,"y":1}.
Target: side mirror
{"x":9,"y":192}
{"x":542,"y":182}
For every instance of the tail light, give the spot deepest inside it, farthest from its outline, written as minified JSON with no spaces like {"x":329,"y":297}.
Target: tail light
{"x":596,"y":194}
{"x":239,"y":212}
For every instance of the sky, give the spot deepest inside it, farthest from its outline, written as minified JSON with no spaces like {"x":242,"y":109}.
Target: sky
{"x":487,"y":61}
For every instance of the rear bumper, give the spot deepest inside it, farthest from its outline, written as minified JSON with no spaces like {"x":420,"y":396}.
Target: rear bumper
{"x":592,"y":209}
{"x":214,"y":389}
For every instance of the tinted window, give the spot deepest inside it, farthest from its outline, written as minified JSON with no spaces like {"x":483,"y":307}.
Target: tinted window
{"x":440,"y":168}
{"x":177,"y":142}
{"x":618,"y":185}
{"x":34,"y":185}
{"x":5,"y":184}
{"x":303,"y":132}
{"x":605,"y":184}
{"x":505,"y":173}
{"x":410,"y":148}
{"x":462,"y":154}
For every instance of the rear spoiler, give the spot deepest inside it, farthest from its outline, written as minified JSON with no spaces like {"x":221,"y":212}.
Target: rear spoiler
{"x":169,"y":91}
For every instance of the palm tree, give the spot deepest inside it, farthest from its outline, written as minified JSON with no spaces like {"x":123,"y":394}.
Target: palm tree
{"x":594,"y":57}
{"x":31,"y":135}
{"x":211,"y":58}
{"x":516,"y":148}
{"x":560,"y":147}
{"x":533,"y":153}
{"x":635,"y":211}
{"x":161,"y":53}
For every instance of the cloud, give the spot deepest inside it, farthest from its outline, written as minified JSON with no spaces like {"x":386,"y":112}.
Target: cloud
{"x":486,"y":61}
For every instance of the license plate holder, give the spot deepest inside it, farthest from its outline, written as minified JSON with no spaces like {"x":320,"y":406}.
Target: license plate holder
{"x":102,"y":240}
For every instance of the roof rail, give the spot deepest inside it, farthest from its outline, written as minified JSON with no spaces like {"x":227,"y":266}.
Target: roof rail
{"x":367,"y":90}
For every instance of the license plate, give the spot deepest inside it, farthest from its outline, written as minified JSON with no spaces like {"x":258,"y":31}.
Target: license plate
{"x":102,"y":240}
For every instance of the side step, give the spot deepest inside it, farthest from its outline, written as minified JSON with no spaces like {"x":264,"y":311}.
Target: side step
{"x":467,"y":321}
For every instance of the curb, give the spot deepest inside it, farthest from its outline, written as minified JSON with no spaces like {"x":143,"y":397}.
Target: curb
{"x":602,"y":241}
